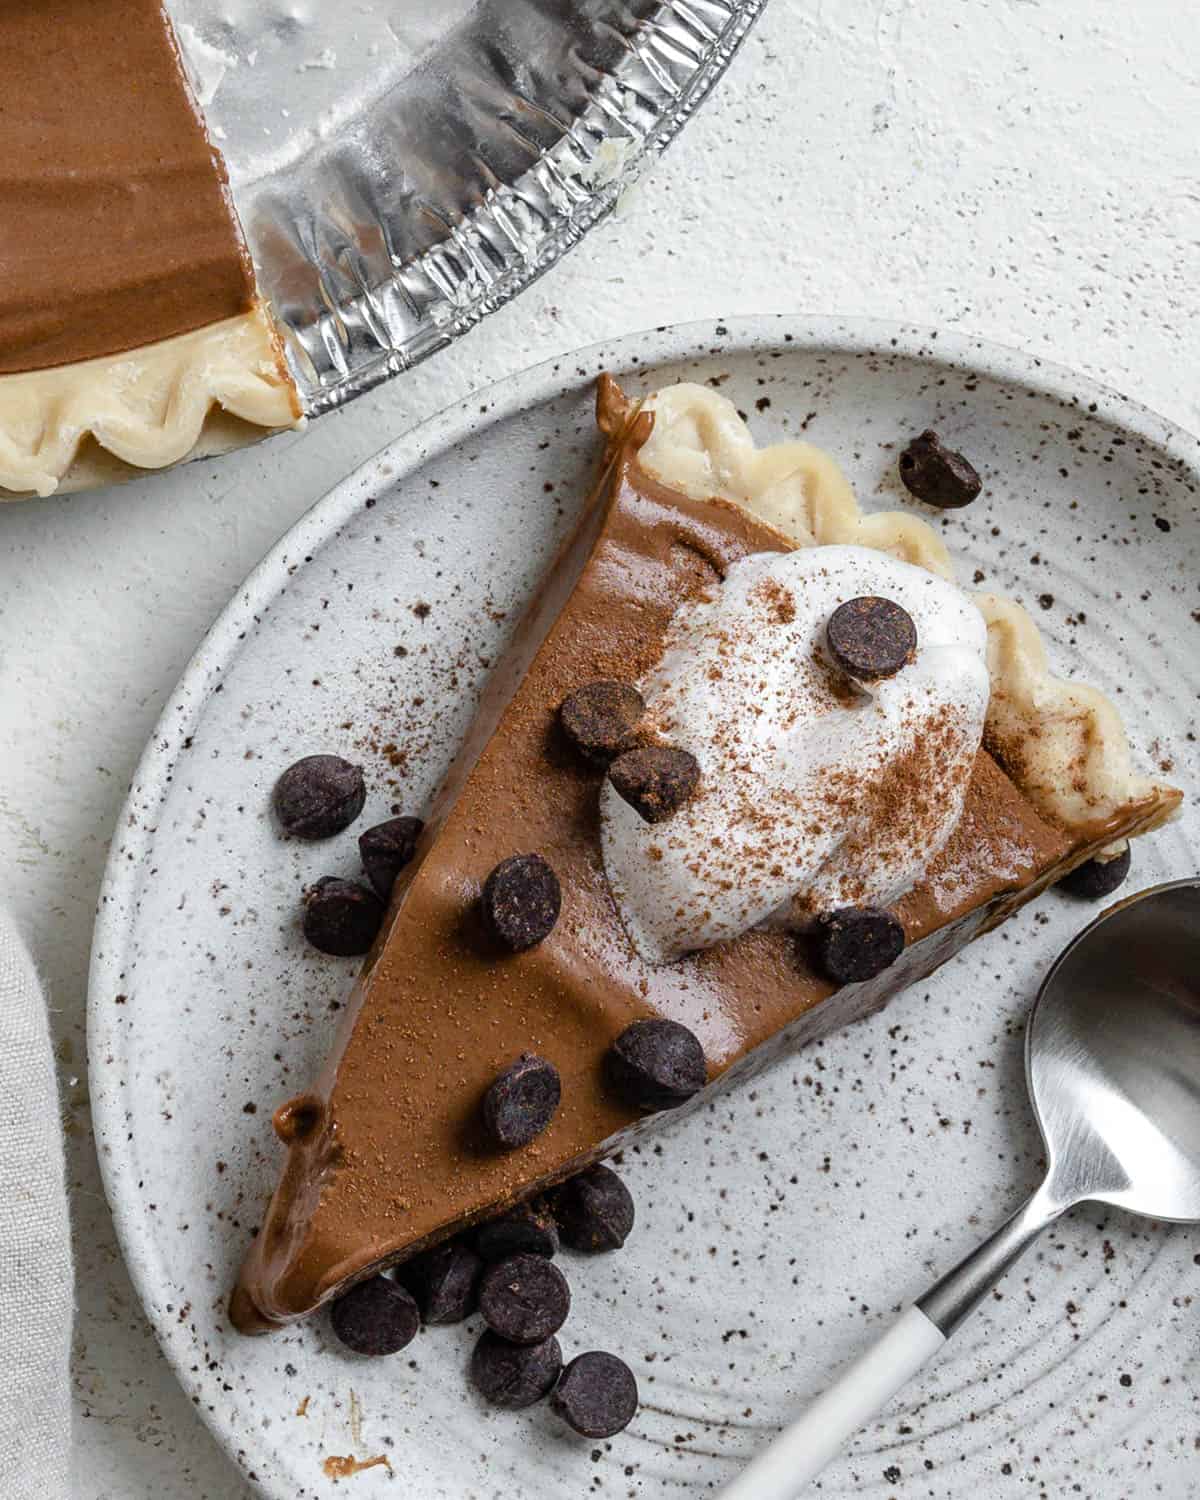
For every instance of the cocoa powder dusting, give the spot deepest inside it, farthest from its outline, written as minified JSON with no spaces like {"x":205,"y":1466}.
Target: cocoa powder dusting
{"x":901,"y":808}
{"x":781,"y":606}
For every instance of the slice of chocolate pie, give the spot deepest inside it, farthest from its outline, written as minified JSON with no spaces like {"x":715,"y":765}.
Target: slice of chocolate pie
{"x":719,"y":781}
{"x":131,"y":332}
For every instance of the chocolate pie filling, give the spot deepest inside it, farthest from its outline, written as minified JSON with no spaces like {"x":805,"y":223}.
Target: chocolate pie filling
{"x":398,"y":1159}
{"x":116,"y":228}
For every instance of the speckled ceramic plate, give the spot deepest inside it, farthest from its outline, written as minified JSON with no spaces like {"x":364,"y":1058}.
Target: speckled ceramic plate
{"x":779,"y":1229}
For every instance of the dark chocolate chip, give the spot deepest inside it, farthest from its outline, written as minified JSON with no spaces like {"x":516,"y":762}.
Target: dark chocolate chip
{"x":319,"y":796}
{"x":521,"y":1102}
{"x":858,"y":942}
{"x":1096,"y":878}
{"x":938,"y":475}
{"x":375,"y":1317}
{"x":656,"y":1064}
{"x":528,"y":1229}
{"x":655,"y":780}
{"x":870,"y":638}
{"x":601,"y":718}
{"x":386,"y":849}
{"x":444,"y":1281}
{"x":340,"y":916}
{"x":521,"y":901}
{"x":597,"y":1394}
{"x":514,"y":1376}
{"x":594,"y":1211}
{"x":524,"y":1298}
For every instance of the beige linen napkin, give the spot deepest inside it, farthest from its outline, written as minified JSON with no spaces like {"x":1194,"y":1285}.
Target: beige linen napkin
{"x":36,"y":1296}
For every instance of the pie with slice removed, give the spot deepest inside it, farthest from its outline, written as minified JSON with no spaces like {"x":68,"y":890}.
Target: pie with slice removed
{"x":131,"y":330}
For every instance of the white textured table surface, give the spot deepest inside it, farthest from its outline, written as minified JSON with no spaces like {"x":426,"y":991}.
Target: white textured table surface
{"x":1009,"y":168}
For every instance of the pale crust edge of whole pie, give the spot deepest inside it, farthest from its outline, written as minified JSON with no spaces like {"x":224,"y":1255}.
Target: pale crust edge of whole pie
{"x":203,"y":392}
{"x":1062,"y":742}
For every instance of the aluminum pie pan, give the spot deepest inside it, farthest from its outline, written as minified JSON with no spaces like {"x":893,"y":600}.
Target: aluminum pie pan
{"x":399,"y":176}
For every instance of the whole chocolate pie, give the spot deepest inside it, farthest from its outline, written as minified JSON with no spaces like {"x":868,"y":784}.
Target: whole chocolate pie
{"x":753,"y":764}
{"x":131,"y":333}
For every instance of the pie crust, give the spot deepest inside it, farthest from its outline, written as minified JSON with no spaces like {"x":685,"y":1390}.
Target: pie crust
{"x":1062,"y":742}
{"x":73,"y":426}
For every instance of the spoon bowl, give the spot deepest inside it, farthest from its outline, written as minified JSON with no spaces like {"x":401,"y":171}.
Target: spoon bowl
{"x":1113,"y":1058}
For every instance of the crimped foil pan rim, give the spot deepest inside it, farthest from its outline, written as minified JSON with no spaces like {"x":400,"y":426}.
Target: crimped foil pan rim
{"x":451,"y":285}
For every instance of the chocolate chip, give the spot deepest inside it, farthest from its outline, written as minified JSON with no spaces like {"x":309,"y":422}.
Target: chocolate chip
{"x":938,"y":475}
{"x":858,"y":942}
{"x":341,"y":917}
{"x":656,"y":1064}
{"x":1098,"y":877}
{"x":655,"y":781}
{"x":597,"y":1395}
{"x":528,"y":1229}
{"x":594,"y":1211}
{"x":521,"y":1102}
{"x":444,"y":1281}
{"x":386,"y":849}
{"x":319,"y":796}
{"x":514,"y":1376}
{"x":521,"y":901}
{"x":870,"y":638}
{"x":601,"y":718}
{"x":524,"y":1298}
{"x":375,"y":1317}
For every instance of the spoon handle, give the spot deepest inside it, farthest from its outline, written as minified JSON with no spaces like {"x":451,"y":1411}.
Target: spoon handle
{"x":959,"y":1292}
{"x":802,"y":1450}
{"x":782,"y":1471}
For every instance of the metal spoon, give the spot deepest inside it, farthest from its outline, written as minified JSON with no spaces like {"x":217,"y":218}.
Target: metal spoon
{"x":1112,"y":1056}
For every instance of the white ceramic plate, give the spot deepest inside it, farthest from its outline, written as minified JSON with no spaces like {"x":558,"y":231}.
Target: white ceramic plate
{"x":779,"y":1230}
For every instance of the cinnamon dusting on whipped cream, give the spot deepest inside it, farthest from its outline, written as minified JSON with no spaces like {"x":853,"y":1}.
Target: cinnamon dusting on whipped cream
{"x":816,"y":791}
{"x":903,"y":809}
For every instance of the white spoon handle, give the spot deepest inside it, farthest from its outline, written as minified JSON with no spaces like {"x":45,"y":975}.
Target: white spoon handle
{"x":864,"y":1388}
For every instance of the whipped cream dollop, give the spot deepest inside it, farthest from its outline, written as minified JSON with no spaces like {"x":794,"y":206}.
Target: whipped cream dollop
{"x":816,"y":791}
